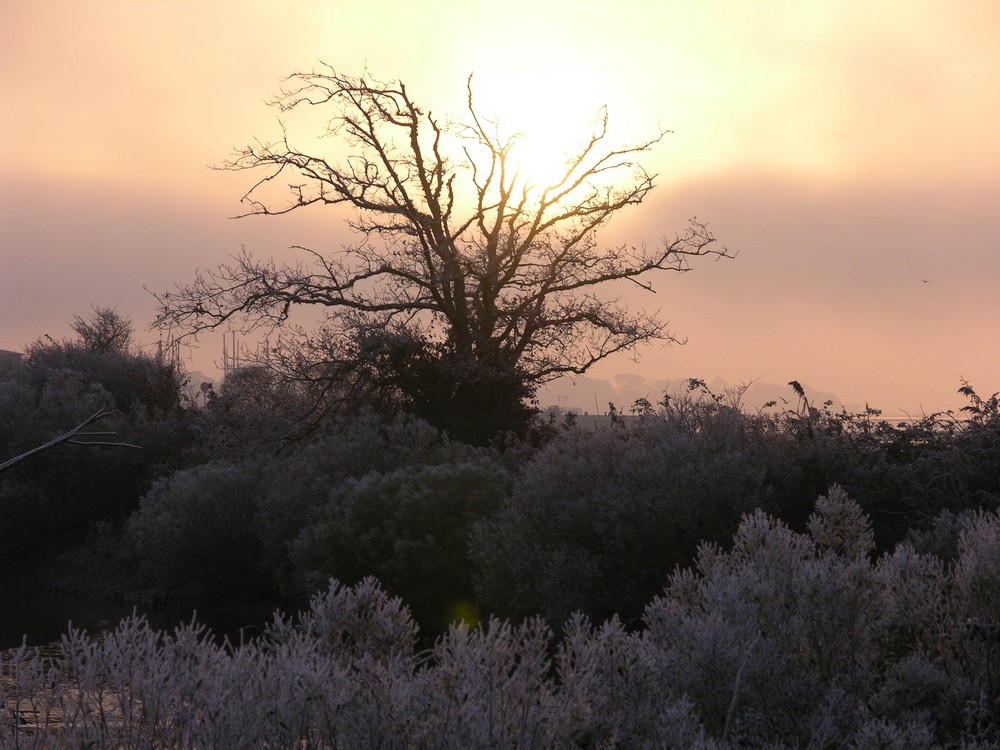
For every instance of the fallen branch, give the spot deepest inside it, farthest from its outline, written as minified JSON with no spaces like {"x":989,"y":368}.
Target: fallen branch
{"x":71,"y":437}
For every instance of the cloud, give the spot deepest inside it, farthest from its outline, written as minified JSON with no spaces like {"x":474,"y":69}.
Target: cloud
{"x":828,"y":287}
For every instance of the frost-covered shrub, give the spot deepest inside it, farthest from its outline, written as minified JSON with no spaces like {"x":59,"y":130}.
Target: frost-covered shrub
{"x":732,"y":632}
{"x":805,"y":641}
{"x":975,"y":590}
{"x":344,"y":675}
{"x":195,"y":531}
{"x":888,"y":735}
{"x":940,"y":537}
{"x":912,"y":606}
{"x":786,"y":640}
{"x":616,"y":690}
{"x":839,"y":525}
{"x":918,"y":690}
{"x":497,"y":677}
{"x":976,"y":572}
{"x":599,"y":519}
{"x":779,"y":639}
{"x":409,"y":528}
{"x":304,"y":686}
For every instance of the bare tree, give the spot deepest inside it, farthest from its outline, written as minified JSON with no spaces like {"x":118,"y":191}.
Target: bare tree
{"x":105,"y":331}
{"x":453,"y":310}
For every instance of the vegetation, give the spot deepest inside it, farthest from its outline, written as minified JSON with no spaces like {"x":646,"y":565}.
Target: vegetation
{"x":469,"y":284}
{"x":718,"y":578}
{"x":51,"y":500}
{"x":786,"y":640}
{"x":703,"y":597}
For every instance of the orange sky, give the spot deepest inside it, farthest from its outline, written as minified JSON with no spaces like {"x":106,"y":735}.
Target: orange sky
{"x":847,"y":150}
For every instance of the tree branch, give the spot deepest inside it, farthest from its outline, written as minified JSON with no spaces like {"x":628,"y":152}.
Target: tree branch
{"x":69,"y":437}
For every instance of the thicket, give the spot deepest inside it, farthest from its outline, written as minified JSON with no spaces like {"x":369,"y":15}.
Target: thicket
{"x":53,"y":500}
{"x":785,"y":640}
{"x":594,"y":521}
{"x":249,"y":499}
{"x":781,"y":622}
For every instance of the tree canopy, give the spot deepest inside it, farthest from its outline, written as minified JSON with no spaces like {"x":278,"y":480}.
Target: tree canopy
{"x":468,"y":285}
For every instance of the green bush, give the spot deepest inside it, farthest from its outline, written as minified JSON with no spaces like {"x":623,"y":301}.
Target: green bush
{"x":51,"y":499}
{"x":297,"y":483}
{"x":409,"y":528}
{"x":599,"y":519}
{"x":196,"y":532}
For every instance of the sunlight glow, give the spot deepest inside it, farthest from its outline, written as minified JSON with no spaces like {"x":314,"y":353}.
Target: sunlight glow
{"x":551,"y":114}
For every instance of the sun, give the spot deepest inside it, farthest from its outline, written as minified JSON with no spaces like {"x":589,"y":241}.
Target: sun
{"x":551,"y":115}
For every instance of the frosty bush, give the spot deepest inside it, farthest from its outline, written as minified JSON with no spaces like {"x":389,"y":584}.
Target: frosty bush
{"x":786,"y":640}
{"x":976,"y":605}
{"x":804,"y":641}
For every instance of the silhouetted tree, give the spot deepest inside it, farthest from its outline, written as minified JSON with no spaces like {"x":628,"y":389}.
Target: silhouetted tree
{"x":468,"y":287}
{"x":105,"y":355}
{"x":106,"y":330}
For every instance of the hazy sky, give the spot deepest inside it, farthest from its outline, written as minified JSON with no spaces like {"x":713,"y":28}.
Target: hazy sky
{"x":849,"y":151}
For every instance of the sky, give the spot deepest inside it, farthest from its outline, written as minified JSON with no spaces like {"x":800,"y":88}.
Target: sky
{"x":848,"y":152}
